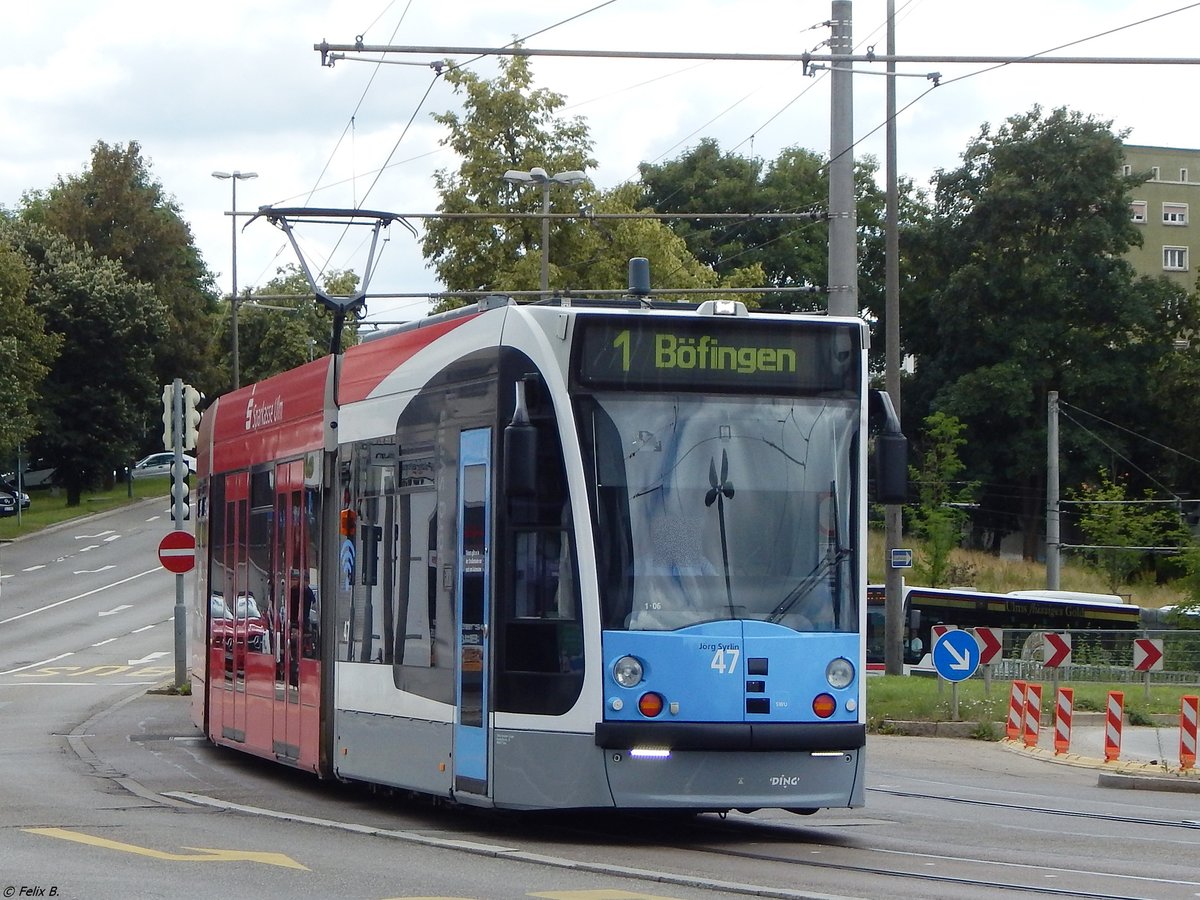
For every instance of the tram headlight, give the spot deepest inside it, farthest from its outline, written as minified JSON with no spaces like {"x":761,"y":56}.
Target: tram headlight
{"x":839,"y":673}
{"x":627,"y":671}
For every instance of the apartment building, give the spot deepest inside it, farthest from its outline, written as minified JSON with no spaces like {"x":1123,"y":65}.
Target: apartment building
{"x":1162,"y":209}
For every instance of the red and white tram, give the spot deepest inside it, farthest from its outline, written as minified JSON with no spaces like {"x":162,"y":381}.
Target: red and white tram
{"x":548,"y":556}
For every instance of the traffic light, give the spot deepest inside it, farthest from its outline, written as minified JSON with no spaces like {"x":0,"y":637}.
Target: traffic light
{"x":180,"y":491}
{"x":168,"y":418}
{"x":191,"y":416}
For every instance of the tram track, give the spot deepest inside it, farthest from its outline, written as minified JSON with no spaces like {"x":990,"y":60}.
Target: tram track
{"x":790,"y":872}
{"x":1000,"y":881}
{"x":1048,"y":811}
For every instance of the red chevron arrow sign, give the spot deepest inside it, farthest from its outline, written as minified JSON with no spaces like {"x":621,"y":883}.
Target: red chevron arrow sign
{"x":1057,"y":650}
{"x":1147,"y":655}
{"x":991,"y":642}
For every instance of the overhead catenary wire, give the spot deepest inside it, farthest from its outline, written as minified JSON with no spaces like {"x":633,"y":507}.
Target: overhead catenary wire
{"x":482,"y":52}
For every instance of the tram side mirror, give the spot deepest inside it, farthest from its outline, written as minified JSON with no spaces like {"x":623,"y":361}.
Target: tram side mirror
{"x":891,"y":451}
{"x":520,"y":450}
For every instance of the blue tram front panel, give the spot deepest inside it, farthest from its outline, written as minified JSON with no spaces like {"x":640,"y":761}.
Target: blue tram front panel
{"x":731,"y":671}
{"x":741,"y":714}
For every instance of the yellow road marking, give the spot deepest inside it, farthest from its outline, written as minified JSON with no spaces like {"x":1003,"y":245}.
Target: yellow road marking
{"x":201,"y":854}
{"x":601,"y":894}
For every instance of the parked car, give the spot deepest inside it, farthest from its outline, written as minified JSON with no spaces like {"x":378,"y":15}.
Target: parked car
{"x":159,"y":464}
{"x":8,"y":504}
{"x":8,"y":487}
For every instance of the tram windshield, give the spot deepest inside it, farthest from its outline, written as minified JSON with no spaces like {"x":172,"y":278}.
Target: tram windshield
{"x":723,"y":507}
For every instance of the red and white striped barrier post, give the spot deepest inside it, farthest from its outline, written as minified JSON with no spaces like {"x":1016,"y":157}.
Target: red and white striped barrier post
{"x":1112,"y":725}
{"x":1063,"y":707}
{"x":1187,"y":731}
{"x":1033,"y":713}
{"x":1016,"y":711}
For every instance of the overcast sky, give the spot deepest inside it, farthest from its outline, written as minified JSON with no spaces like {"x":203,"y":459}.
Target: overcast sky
{"x":236,"y":85}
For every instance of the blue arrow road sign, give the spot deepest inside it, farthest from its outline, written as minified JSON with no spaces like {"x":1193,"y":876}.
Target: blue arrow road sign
{"x":956,"y":655}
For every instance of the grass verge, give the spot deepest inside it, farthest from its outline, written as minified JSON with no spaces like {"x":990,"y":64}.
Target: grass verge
{"x":49,"y":507}
{"x":919,"y":699}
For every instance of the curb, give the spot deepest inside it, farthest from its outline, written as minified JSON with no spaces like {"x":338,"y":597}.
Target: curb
{"x":1127,"y":774}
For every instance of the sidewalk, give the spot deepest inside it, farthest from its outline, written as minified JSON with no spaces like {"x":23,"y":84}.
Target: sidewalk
{"x":1149,"y":757}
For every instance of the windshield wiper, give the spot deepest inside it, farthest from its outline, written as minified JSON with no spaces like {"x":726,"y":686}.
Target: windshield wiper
{"x":831,"y":561}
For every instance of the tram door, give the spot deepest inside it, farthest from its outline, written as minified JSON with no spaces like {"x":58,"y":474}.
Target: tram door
{"x":471,"y":737}
{"x":227,"y":630}
{"x":288,"y":606}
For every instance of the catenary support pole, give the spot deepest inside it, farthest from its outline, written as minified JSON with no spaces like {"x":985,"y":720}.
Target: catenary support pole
{"x":1053,"y":568}
{"x":843,"y":252}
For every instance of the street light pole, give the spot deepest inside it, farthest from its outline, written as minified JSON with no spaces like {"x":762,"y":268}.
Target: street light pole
{"x":538,"y":176}
{"x":234,"y":177}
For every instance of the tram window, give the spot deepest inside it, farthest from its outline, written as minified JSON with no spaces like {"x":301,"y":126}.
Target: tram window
{"x":543,"y":578}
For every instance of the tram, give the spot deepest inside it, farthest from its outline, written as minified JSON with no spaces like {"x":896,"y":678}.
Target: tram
{"x":588,"y":555}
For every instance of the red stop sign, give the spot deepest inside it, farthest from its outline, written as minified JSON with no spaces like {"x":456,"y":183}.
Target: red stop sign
{"x":177,"y":552}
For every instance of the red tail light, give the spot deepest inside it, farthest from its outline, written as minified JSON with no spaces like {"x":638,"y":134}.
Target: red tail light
{"x":650,"y":705}
{"x":824,"y":705}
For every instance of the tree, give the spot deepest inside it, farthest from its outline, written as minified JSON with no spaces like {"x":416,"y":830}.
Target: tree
{"x":1120,"y":529}
{"x":505,"y":125}
{"x":938,"y":516}
{"x":100,"y":395}
{"x":121,"y":212}
{"x":1022,"y":289}
{"x":27,"y":350}
{"x":508,"y":125}
{"x":275,"y":334}
{"x":792,"y":253}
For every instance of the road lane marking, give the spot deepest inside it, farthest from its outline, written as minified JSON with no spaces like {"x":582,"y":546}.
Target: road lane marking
{"x":42,"y":663}
{"x":143,"y":628}
{"x":148,"y":659}
{"x":200,"y":854}
{"x":80,"y":596}
{"x":102,"y":643}
{"x":93,"y":571}
{"x":103,"y":670}
{"x":4,"y":684}
{"x":114,"y":610}
{"x":88,"y":537}
{"x":34,"y":568}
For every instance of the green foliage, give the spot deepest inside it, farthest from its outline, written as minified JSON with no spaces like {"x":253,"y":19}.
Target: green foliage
{"x":505,"y":125}
{"x":27,"y":350}
{"x":1022,"y":289}
{"x":508,"y":125}
{"x":1190,"y":582}
{"x":1111,"y":521}
{"x":276,"y":334}
{"x":791,"y":252}
{"x":95,"y":402}
{"x":936,"y":518}
{"x":118,"y":210}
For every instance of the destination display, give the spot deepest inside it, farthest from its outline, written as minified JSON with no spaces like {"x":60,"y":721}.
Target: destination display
{"x":718,"y":354}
